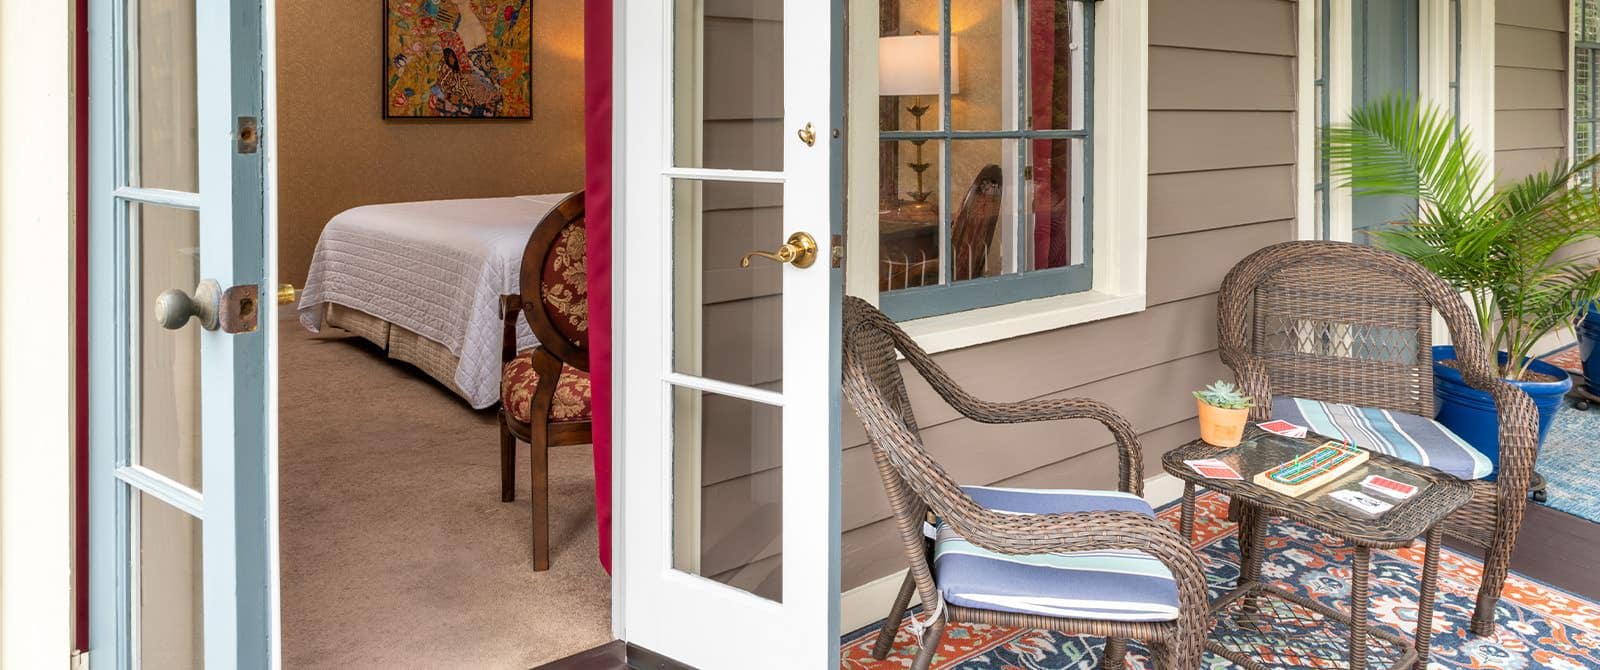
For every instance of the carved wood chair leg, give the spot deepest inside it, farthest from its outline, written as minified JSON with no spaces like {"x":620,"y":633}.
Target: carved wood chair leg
{"x":508,"y":463}
{"x":897,"y":612}
{"x":539,"y":457}
{"x":930,"y":646}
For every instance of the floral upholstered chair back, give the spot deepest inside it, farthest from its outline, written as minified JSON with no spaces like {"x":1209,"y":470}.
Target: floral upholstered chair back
{"x":555,"y":283}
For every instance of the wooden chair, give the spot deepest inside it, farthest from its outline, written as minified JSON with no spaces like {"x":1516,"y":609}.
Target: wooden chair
{"x":544,"y":392}
{"x":970,"y":236}
{"x":1349,"y":326}
{"x":1007,"y":528}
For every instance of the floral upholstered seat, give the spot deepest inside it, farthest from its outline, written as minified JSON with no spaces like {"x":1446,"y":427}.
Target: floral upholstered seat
{"x":519,"y":380}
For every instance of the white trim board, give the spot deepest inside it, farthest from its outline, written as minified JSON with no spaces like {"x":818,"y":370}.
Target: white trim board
{"x":869,"y":603}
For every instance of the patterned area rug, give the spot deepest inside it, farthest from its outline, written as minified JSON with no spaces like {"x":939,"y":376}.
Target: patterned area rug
{"x":1567,"y":459}
{"x":1539,"y":626}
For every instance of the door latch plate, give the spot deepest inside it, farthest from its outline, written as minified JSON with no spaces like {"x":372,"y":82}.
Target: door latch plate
{"x":249,"y":134}
{"x":240,"y":309}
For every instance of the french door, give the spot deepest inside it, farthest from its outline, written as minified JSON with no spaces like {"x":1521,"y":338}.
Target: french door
{"x":180,"y":557}
{"x":732,"y":119}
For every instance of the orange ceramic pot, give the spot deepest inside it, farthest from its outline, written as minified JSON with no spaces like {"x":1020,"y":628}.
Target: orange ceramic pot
{"x":1222,"y":427}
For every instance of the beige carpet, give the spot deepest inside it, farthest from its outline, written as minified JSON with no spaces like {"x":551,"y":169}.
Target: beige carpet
{"x":396,"y":549}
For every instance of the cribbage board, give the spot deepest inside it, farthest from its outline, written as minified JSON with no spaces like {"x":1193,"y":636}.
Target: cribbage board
{"x":1312,"y":469}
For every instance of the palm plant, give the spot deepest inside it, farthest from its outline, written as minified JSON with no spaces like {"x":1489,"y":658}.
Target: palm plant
{"x":1509,"y":248}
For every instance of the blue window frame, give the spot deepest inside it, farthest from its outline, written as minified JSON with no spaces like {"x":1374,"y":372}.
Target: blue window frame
{"x":1010,"y":199}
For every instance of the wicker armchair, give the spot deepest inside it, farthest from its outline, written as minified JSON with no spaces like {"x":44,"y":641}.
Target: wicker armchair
{"x":1350,"y":324}
{"x":916,"y":486}
{"x":544,"y":392}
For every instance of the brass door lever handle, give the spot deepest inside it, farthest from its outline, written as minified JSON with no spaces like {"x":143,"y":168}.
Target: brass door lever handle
{"x":800,"y":251}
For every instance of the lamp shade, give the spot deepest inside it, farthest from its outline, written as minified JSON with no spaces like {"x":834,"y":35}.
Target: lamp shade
{"x":909,"y":65}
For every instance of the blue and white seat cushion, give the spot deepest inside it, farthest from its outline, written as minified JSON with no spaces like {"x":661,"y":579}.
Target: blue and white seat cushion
{"x":1405,"y":436}
{"x":1107,"y":585}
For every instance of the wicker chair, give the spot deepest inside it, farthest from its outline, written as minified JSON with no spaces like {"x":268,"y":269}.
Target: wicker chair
{"x":544,"y":392}
{"x":916,"y":486}
{"x":1346,"y":323}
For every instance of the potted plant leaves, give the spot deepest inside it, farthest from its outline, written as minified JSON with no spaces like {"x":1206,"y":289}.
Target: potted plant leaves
{"x":1224,"y":410}
{"x":1515,"y":250}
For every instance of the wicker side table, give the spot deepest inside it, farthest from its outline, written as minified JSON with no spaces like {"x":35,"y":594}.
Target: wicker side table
{"x":1255,"y":610}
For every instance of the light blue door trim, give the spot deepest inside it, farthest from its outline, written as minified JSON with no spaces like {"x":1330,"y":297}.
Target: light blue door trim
{"x":234,"y":507}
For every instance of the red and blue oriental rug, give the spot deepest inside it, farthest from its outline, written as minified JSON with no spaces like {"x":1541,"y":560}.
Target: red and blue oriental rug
{"x":1539,"y":626}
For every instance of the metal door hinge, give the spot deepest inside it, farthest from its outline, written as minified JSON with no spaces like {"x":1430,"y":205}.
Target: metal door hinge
{"x":249,"y":134}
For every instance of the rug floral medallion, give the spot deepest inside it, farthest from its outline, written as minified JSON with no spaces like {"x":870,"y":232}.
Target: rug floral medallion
{"x":1539,"y":626}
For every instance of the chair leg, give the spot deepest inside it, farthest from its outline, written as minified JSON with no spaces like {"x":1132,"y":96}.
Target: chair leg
{"x":897,"y":613}
{"x":1116,"y":654}
{"x":1496,"y":563}
{"x":930,"y":645}
{"x":539,"y":457}
{"x":508,"y":463}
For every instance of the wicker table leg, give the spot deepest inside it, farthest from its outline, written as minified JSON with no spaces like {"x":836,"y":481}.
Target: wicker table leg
{"x":1252,"y":533}
{"x":1186,"y":516}
{"x":1360,"y":607}
{"x":1426,"y":590}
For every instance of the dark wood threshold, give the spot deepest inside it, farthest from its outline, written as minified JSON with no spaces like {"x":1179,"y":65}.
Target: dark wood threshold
{"x":1546,"y":547}
{"x":615,"y":655}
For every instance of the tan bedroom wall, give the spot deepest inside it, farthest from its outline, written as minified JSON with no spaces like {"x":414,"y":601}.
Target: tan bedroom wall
{"x":336,"y":151}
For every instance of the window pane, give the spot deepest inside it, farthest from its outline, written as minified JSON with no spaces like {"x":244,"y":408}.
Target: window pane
{"x":1056,"y":63}
{"x":167,"y":594}
{"x":727,"y":319}
{"x":981,"y":227}
{"x":908,"y":228}
{"x":166,"y":255}
{"x":1055,"y":204}
{"x":162,"y":109}
{"x":1583,"y":86}
{"x":728,"y":76}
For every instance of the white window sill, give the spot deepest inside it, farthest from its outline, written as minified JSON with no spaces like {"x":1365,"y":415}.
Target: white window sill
{"x":1001,"y":322}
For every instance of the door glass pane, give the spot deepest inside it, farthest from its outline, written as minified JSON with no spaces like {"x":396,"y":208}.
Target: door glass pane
{"x":727,"y":492}
{"x":1384,"y":57}
{"x":162,"y":109}
{"x":167,"y":596}
{"x":728,"y":320}
{"x":165,"y":243}
{"x":728,"y":84}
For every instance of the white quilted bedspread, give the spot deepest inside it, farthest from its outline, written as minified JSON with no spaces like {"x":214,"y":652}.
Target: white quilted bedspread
{"x":436,"y":268}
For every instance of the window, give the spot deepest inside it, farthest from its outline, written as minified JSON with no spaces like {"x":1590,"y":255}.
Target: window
{"x":1367,"y":50}
{"x":986,"y":129}
{"x":1585,"y":63}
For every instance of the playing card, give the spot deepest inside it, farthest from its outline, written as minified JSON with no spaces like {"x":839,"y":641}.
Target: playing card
{"x":1361,"y":501}
{"x":1283,"y":428}
{"x":1388,"y":487}
{"x":1212,"y":468}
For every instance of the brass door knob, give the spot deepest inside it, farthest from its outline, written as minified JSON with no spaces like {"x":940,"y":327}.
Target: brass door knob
{"x":800,"y":251}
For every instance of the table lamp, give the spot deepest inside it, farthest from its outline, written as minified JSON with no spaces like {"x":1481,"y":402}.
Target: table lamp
{"x":909,"y":65}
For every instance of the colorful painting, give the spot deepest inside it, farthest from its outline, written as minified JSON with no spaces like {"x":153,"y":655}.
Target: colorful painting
{"x":458,"y":59}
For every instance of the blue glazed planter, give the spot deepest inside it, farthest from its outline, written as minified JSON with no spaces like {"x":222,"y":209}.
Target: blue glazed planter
{"x":1471,"y":414}
{"x":1589,"y":348}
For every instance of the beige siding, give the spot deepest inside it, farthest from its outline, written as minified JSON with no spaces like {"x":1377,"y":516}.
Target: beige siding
{"x":1222,"y":93}
{"x":1530,"y":86}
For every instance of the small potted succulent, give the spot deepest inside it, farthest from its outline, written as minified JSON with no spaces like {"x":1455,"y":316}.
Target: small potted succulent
{"x":1224,"y":410}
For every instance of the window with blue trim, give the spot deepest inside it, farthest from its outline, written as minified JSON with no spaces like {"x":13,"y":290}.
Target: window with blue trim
{"x":1585,"y":64}
{"x":986,"y":145}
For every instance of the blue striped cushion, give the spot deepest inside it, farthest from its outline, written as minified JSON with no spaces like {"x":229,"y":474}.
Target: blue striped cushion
{"x":1406,"y":436}
{"x":1110,"y":585}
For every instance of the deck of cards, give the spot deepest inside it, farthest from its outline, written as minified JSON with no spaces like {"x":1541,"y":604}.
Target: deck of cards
{"x":1387,"y":487}
{"x":1361,"y":501}
{"x":1212,"y":468}
{"x":1283,"y":428}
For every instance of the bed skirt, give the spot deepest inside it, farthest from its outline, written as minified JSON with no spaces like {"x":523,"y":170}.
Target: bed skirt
{"x":430,"y":357}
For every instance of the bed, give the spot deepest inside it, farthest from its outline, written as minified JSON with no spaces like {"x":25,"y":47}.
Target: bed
{"x":422,"y":281}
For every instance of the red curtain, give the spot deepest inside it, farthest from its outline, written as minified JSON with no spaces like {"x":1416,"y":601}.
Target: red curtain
{"x":597,"y":200}
{"x":1050,"y":36}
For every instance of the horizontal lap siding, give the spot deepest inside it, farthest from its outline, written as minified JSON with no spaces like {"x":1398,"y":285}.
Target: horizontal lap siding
{"x":1530,"y":86}
{"x":1222,"y":130}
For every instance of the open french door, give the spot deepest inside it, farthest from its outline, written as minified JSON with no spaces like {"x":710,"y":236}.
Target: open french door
{"x":180,"y":557}
{"x":731,"y":143}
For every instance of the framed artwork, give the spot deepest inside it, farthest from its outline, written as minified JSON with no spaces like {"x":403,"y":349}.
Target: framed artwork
{"x":469,"y":59}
